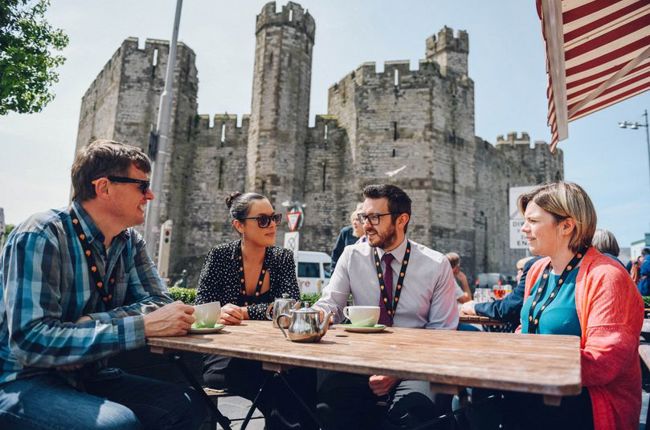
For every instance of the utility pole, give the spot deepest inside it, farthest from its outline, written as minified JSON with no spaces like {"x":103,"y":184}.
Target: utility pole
{"x":158,"y":140}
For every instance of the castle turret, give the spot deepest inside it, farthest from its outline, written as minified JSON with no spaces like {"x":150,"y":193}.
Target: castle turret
{"x":280,"y":106}
{"x":448,"y":51}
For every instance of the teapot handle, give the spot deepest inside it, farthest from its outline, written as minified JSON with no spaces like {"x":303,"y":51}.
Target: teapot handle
{"x":277,"y":322}
{"x":268,"y":312}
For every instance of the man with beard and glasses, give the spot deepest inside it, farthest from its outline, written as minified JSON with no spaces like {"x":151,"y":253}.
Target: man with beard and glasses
{"x":416,"y":278}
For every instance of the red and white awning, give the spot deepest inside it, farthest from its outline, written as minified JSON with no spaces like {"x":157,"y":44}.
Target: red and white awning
{"x":598,"y":54}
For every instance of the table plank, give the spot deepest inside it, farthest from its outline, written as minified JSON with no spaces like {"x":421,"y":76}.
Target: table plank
{"x":540,"y":364}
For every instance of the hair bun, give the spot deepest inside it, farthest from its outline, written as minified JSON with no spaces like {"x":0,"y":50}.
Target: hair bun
{"x":231,"y":198}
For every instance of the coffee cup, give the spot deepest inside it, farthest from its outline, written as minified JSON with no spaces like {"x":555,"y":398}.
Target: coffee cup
{"x":207,"y":314}
{"x":363,"y":316}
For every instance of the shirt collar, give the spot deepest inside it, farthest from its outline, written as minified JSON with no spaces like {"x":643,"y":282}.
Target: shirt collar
{"x":89,"y":227}
{"x":398,"y":252}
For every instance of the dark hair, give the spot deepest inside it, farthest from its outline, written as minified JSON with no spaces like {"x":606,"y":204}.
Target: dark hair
{"x":645,"y":251}
{"x":239,"y":204}
{"x":398,"y":201}
{"x":103,"y":158}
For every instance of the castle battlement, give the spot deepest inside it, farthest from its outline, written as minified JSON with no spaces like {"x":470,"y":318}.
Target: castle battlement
{"x":220,"y":119}
{"x":292,"y":14}
{"x":513,"y":138}
{"x":446,"y":41}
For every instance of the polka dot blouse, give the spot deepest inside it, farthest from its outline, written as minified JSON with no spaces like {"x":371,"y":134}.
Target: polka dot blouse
{"x":220,"y":280}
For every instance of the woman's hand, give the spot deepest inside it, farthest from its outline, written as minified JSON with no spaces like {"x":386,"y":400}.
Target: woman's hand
{"x":232,"y":314}
{"x":468,"y":308}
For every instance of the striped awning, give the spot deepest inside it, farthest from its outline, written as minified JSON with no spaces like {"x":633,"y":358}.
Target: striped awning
{"x":598,"y":54}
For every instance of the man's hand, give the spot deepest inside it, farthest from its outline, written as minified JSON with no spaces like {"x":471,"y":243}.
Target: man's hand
{"x":381,"y":384}
{"x":174,"y":319}
{"x":468,"y":308}
{"x":231,"y":315}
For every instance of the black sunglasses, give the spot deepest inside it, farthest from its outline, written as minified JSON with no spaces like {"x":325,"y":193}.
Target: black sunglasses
{"x":264,"y":221}
{"x":143,"y":185}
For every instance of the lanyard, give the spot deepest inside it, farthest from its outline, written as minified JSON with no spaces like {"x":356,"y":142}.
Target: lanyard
{"x":533,"y":320}
{"x":392,"y":307}
{"x":106,"y":292}
{"x":260,"y":278}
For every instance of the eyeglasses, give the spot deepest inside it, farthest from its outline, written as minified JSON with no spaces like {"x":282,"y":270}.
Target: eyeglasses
{"x":143,"y":185}
{"x":374,"y":219}
{"x":264,"y":221}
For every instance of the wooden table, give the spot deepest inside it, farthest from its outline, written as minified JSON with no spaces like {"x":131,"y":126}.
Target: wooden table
{"x":542,"y":364}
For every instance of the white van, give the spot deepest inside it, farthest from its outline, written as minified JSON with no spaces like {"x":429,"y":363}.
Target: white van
{"x":314,"y":271}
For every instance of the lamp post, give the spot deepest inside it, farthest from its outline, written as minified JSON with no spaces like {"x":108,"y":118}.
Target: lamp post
{"x":635,"y":126}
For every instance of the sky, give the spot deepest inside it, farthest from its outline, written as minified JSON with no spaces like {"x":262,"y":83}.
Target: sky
{"x":506,"y":62}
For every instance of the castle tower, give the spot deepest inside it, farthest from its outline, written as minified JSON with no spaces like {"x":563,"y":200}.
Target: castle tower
{"x":280,"y":106}
{"x":448,"y":51}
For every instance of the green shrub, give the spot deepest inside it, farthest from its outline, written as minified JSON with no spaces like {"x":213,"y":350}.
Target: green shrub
{"x":185,"y":295}
{"x":309,"y":297}
{"x":646,"y":301}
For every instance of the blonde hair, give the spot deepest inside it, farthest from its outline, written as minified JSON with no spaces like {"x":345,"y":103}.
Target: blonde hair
{"x":565,"y":200}
{"x":355,"y":212}
{"x":522,"y":262}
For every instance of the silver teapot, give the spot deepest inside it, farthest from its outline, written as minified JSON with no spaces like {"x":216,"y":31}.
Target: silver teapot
{"x":304,"y":324}
{"x":280,"y":306}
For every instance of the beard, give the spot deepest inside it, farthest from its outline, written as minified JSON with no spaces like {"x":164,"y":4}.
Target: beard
{"x":382,"y":240}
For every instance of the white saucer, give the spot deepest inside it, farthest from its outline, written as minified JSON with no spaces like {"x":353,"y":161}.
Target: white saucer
{"x":359,"y":329}
{"x":207,"y":330}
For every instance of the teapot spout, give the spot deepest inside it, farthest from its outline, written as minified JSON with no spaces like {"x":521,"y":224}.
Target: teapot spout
{"x":325,"y":324}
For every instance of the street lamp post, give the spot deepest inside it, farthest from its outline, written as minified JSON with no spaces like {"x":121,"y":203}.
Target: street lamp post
{"x":635,"y":126}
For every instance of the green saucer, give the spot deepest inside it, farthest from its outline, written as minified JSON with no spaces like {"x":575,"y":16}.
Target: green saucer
{"x":363,"y":329}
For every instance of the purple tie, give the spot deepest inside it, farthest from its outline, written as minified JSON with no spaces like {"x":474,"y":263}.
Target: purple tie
{"x":384,"y":318}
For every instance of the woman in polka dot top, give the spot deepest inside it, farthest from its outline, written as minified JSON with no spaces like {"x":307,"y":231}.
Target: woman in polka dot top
{"x":246,"y":276}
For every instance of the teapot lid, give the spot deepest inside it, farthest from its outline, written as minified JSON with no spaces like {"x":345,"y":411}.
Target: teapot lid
{"x":306,"y":309}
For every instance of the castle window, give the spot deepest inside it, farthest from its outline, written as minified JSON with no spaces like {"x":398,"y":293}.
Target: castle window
{"x":154,"y":61}
{"x":395,"y":132}
{"x":396,"y":77}
{"x":220,"y":183}
{"x":325,"y":135}
{"x":307,"y":47}
{"x":394,"y":153}
{"x":324,"y":164}
{"x":289,"y":62}
{"x":223,"y":134}
{"x":290,"y":14}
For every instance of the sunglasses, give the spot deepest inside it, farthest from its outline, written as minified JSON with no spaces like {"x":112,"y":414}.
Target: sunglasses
{"x":143,"y":185}
{"x":264,"y":221}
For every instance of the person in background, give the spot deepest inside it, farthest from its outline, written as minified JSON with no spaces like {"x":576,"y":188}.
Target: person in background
{"x":575,"y":290}
{"x":605,"y":242}
{"x":644,"y":273}
{"x":463,"y":293}
{"x":78,"y":287}
{"x":246,"y":276}
{"x":508,"y":308}
{"x":348,"y":235}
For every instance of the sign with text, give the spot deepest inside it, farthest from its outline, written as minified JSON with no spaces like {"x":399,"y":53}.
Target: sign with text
{"x":517,"y":238}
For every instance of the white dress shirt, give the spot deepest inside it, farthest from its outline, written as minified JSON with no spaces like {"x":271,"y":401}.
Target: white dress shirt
{"x":428,"y":298}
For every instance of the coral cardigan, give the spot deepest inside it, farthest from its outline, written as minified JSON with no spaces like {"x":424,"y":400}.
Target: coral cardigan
{"x":610,"y":310}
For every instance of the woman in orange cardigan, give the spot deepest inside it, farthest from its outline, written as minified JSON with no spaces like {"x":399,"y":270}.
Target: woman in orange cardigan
{"x":576,"y":290}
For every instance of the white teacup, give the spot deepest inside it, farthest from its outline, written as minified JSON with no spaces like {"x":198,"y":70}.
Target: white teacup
{"x":207,"y":315}
{"x":363,"y":316}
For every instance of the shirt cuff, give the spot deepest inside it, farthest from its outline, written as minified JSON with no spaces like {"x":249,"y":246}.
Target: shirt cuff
{"x":131,"y":332}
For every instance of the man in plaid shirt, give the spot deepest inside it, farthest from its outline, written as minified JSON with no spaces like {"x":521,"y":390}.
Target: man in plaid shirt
{"x":78,"y":287}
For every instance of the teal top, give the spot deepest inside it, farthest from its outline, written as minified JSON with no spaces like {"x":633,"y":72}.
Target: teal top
{"x":560,"y":317}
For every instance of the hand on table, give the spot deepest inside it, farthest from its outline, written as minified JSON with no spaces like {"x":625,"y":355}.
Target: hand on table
{"x":174,"y":319}
{"x":232,"y":314}
{"x":468,"y":308}
{"x":381,"y":384}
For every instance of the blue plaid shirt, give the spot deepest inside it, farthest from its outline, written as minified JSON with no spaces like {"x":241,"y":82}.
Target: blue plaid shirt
{"x":46,"y":286}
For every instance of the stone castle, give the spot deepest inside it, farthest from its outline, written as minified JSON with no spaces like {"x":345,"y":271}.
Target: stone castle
{"x":376,"y":123}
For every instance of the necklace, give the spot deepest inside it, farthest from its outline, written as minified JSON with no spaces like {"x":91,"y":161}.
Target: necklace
{"x":260,"y":278}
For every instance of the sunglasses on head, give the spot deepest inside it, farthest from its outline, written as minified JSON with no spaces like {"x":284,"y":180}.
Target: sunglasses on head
{"x":264,"y":221}
{"x":143,"y":184}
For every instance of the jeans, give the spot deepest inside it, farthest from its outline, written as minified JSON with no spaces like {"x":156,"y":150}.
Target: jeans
{"x":112,"y":400}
